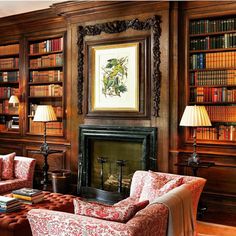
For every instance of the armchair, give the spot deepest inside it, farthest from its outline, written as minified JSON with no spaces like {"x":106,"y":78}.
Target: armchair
{"x":150,"y":221}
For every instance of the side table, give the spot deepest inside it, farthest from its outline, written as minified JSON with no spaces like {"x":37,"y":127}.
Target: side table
{"x":195,"y":167}
{"x":45,"y":153}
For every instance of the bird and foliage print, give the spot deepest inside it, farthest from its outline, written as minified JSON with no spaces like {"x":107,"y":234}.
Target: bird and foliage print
{"x":115,"y":73}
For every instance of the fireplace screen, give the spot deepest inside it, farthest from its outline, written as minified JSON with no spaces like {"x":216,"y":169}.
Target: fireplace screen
{"x":110,"y":155}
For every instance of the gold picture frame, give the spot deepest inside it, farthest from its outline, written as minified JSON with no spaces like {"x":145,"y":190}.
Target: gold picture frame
{"x":115,"y":77}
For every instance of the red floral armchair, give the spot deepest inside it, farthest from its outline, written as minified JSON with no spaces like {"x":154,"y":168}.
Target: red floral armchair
{"x":17,"y":172}
{"x":150,"y":221}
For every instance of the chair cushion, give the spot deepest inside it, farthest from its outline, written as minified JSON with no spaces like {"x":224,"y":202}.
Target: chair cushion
{"x":8,"y":166}
{"x":157,"y":184}
{"x":12,"y":184}
{"x":121,"y":213}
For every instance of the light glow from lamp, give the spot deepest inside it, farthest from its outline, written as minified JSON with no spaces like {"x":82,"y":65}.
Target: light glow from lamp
{"x":195,"y":116}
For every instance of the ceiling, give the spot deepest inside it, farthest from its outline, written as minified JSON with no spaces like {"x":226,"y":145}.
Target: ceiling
{"x":9,"y":7}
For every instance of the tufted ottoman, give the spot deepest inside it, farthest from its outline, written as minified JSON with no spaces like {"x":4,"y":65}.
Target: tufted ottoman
{"x":16,"y":223}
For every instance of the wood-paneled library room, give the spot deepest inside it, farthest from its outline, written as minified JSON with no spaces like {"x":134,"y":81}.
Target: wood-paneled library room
{"x":117,"y":118}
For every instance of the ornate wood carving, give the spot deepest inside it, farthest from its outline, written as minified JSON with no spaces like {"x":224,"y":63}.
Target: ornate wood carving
{"x":118,"y":27}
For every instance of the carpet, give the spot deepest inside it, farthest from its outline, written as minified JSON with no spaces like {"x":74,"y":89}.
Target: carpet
{"x":210,"y":229}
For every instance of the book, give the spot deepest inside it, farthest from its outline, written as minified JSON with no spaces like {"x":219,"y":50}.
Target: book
{"x":7,"y":200}
{"x":27,"y":192}
{"x":28,"y":198}
{"x":31,"y":202}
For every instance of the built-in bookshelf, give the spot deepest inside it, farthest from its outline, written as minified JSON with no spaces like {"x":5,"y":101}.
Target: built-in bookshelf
{"x":212,"y":74}
{"x":46,"y":82}
{"x":9,"y":85}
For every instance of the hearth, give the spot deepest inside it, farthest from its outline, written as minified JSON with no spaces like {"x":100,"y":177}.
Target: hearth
{"x":108,"y":157}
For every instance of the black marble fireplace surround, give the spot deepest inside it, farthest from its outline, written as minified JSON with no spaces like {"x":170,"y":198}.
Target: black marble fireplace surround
{"x":109,"y":155}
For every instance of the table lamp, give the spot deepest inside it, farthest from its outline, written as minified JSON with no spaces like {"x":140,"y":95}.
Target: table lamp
{"x":14,"y":100}
{"x":44,"y":113}
{"x":195,"y":116}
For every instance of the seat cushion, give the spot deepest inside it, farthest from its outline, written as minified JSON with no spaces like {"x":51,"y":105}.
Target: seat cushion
{"x":121,"y":213}
{"x":8,"y":166}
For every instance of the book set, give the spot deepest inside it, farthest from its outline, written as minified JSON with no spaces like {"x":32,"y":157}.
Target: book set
{"x":212,"y":75}
{"x":215,"y":77}
{"x":49,"y":45}
{"x":9,"y":63}
{"x":9,"y":204}
{"x":47,"y":61}
{"x":206,"y":94}
{"x":46,"y":90}
{"x":9,"y":49}
{"x":216,"y":60}
{"x":9,"y":76}
{"x":28,"y":195}
{"x":46,"y":76}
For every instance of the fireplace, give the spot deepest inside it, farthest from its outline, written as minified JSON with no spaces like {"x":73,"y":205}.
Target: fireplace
{"x":108,"y":157}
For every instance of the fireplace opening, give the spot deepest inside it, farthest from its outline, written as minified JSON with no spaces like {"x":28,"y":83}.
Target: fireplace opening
{"x":110,"y":155}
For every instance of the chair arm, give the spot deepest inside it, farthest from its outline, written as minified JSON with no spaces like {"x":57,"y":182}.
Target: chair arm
{"x":54,"y":223}
{"x":152,"y":220}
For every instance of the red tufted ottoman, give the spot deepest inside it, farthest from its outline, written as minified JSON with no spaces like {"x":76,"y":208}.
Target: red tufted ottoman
{"x":16,"y":223}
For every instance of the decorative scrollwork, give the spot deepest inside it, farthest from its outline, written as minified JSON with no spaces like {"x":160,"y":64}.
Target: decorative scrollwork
{"x":118,"y":27}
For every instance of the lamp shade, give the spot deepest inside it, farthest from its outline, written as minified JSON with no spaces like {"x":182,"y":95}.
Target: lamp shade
{"x":44,"y":113}
{"x":14,"y":99}
{"x":195,"y":116}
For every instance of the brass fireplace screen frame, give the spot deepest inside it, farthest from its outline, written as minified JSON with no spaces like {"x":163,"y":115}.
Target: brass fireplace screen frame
{"x":146,"y":136}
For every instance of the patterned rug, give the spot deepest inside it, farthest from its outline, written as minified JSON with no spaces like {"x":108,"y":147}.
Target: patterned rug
{"x":210,"y":229}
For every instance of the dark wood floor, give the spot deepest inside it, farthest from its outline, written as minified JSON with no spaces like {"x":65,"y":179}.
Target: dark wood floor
{"x":224,"y":217}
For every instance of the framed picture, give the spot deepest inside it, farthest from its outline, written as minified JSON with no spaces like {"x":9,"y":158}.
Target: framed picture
{"x":147,"y":34}
{"x":116,"y":78}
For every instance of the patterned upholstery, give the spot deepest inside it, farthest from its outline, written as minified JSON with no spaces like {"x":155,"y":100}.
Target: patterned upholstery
{"x":16,"y":223}
{"x":23,"y":175}
{"x":150,"y":221}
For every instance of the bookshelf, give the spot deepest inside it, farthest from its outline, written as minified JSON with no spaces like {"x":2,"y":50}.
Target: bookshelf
{"x":212,"y":75}
{"x":9,"y":85}
{"x":46,"y":82}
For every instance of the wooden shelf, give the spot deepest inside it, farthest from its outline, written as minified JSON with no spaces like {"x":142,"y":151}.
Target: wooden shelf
{"x":46,"y":82}
{"x":212,"y":34}
{"x":212,"y":50}
{"x":8,"y":69}
{"x":213,"y":86}
{"x":9,"y":55}
{"x":45,"y":53}
{"x":46,"y":68}
{"x":45,"y":97}
{"x":212,"y":69}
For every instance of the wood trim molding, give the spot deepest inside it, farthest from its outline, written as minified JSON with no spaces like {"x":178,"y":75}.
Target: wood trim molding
{"x":118,"y":27}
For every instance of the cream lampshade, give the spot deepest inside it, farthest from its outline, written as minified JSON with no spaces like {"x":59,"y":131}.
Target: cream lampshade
{"x":195,"y":116}
{"x":44,"y":113}
{"x":14,"y":100}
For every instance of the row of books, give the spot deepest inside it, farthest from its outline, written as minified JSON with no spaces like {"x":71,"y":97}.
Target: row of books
{"x":216,"y":77}
{"x":222,"y":132}
{"x":28,"y":195}
{"x":9,"y":204}
{"x":9,"y":76}
{"x":9,"y":49}
{"x":6,"y":108}
{"x":46,"y":90}
{"x":205,"y":94}
{"x":214,"y":42}
{"x":49,"y":45}
{"x":57,"y":109}
{"x":53,"y":128}
{"x":9,"y":63}
{"x":46,"y":76}
{"x":6,"y":92}
{"x":213,"y":60}
{"x":46,"y":61}
{"x":222,"y":113}
{"x":212,"y":25}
